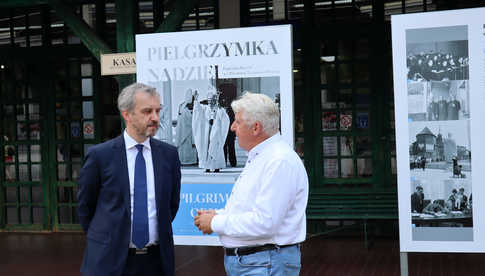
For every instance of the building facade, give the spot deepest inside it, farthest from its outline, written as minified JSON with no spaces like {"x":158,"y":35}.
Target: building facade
{"x":54,"y":103}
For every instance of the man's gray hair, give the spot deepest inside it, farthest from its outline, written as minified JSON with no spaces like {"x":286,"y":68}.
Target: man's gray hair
{"x":258,"y":108}
{"x":126,"y":99}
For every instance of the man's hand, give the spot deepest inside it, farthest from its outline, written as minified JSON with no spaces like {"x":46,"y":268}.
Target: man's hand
{"x":200,"y":212}
{"x":203,"y":220}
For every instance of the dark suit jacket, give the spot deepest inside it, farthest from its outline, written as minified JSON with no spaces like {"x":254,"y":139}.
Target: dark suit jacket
{"x":105,"y":208}
{"x":417,"y":202}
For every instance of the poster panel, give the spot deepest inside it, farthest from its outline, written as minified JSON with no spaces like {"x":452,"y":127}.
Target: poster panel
{"x":198,"y":74}
{"x":439,"y":81}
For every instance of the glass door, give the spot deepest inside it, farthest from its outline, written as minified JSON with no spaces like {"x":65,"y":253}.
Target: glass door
{"x":74,"y":132}
{"x":23,"y":172}
{"x":47,"y":123}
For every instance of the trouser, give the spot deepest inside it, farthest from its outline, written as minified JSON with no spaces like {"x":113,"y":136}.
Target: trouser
{"x":277,"y":262}
{"x":149,"y":264}
{"x":229,"y":149}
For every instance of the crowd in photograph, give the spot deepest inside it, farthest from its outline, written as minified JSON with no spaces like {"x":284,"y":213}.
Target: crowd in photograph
{"x":456,"y":201}
{"x":437,"y":67}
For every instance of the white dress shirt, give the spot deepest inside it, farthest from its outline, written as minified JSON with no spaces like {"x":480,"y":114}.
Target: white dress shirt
{"x":268,"y":200}
{"x":131,"y":153}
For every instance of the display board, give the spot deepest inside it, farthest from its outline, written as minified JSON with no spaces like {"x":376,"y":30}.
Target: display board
{"x":198,"y":74}
{"x":439,"y":79}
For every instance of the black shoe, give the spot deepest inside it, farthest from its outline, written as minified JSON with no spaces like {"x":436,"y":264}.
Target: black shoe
{"x":216,"y":170}
{"x":207,"y":170}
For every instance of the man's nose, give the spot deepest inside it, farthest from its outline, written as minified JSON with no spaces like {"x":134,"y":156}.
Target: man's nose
{"x":233,"y":127}
{"x":154,"y":116}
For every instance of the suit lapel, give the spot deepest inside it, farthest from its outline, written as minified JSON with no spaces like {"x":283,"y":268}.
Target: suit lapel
{"x":119,"y":155}
{"x":157,"y":171}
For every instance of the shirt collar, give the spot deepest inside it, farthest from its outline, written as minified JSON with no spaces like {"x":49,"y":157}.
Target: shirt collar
{"x":131,"y":143}
{"x":261,"y":146}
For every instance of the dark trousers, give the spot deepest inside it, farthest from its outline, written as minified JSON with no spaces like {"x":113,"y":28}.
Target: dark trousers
{"x":230,"y":150}
{"x":149,"y":264}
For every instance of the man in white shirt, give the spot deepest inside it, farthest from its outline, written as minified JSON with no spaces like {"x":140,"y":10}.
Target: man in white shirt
{"x":263,"y":222}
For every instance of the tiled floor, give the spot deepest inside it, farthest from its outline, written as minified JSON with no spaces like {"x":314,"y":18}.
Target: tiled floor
{"x":61,"y":253}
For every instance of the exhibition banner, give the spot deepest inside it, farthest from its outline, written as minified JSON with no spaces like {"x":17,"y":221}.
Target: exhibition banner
{"x":198,"y":74}
{"x":439,"y":79}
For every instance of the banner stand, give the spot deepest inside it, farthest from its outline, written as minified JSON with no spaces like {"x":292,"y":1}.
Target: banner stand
{"x":436,"y":174}
{"x":404,"y":263}
{"x":198,"y":74}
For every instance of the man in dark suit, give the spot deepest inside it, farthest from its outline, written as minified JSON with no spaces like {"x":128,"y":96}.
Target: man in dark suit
{"x":129,"y":192}
{"x":452,"y":200}
{"x":228,"y":94}
{"x":442,"y":109}
{"x":453,"y":108}
{"x":417,"y":200}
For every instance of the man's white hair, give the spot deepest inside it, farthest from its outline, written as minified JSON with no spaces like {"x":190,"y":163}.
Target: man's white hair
{"x":260,"y":108}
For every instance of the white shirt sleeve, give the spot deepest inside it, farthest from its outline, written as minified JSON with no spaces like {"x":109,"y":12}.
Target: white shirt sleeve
{"x":265,"y":215}
{"x":220,"y":211}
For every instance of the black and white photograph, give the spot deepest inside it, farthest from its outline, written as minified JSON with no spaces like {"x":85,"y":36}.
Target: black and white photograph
{"x":196,"y":117}
{"x":438,"y":60}
{"x":440,"y":170}
{"x":439,"y":100}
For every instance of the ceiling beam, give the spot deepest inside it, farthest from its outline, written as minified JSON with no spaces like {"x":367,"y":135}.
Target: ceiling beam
{"x":180,"y":11}
{"x":125,"y":35}
{"x":80,"y":28}
{"x":125,"y":25}
{"x":21,"y":3}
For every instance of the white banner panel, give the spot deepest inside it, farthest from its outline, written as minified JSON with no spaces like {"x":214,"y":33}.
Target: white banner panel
{"x":207,"y":70}
{"x":439,"y":84}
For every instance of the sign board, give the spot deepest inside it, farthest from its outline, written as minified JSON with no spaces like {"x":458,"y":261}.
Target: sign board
{"x":439,"y":64}
{"x":193,"y":69}
{"x":118,"y":64}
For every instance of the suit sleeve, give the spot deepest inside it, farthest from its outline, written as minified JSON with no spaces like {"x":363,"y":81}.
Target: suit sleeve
{"x":89,"y":183}
{"x":414,"y":205}
{"x":175,"y":200}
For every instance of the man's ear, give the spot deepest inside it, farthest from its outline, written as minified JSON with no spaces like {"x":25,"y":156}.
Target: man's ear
{"x":257,"y":128}
{"x":126,"y":115}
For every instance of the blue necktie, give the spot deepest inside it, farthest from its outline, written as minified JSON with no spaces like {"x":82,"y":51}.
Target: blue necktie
{"x":140,"y":209}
